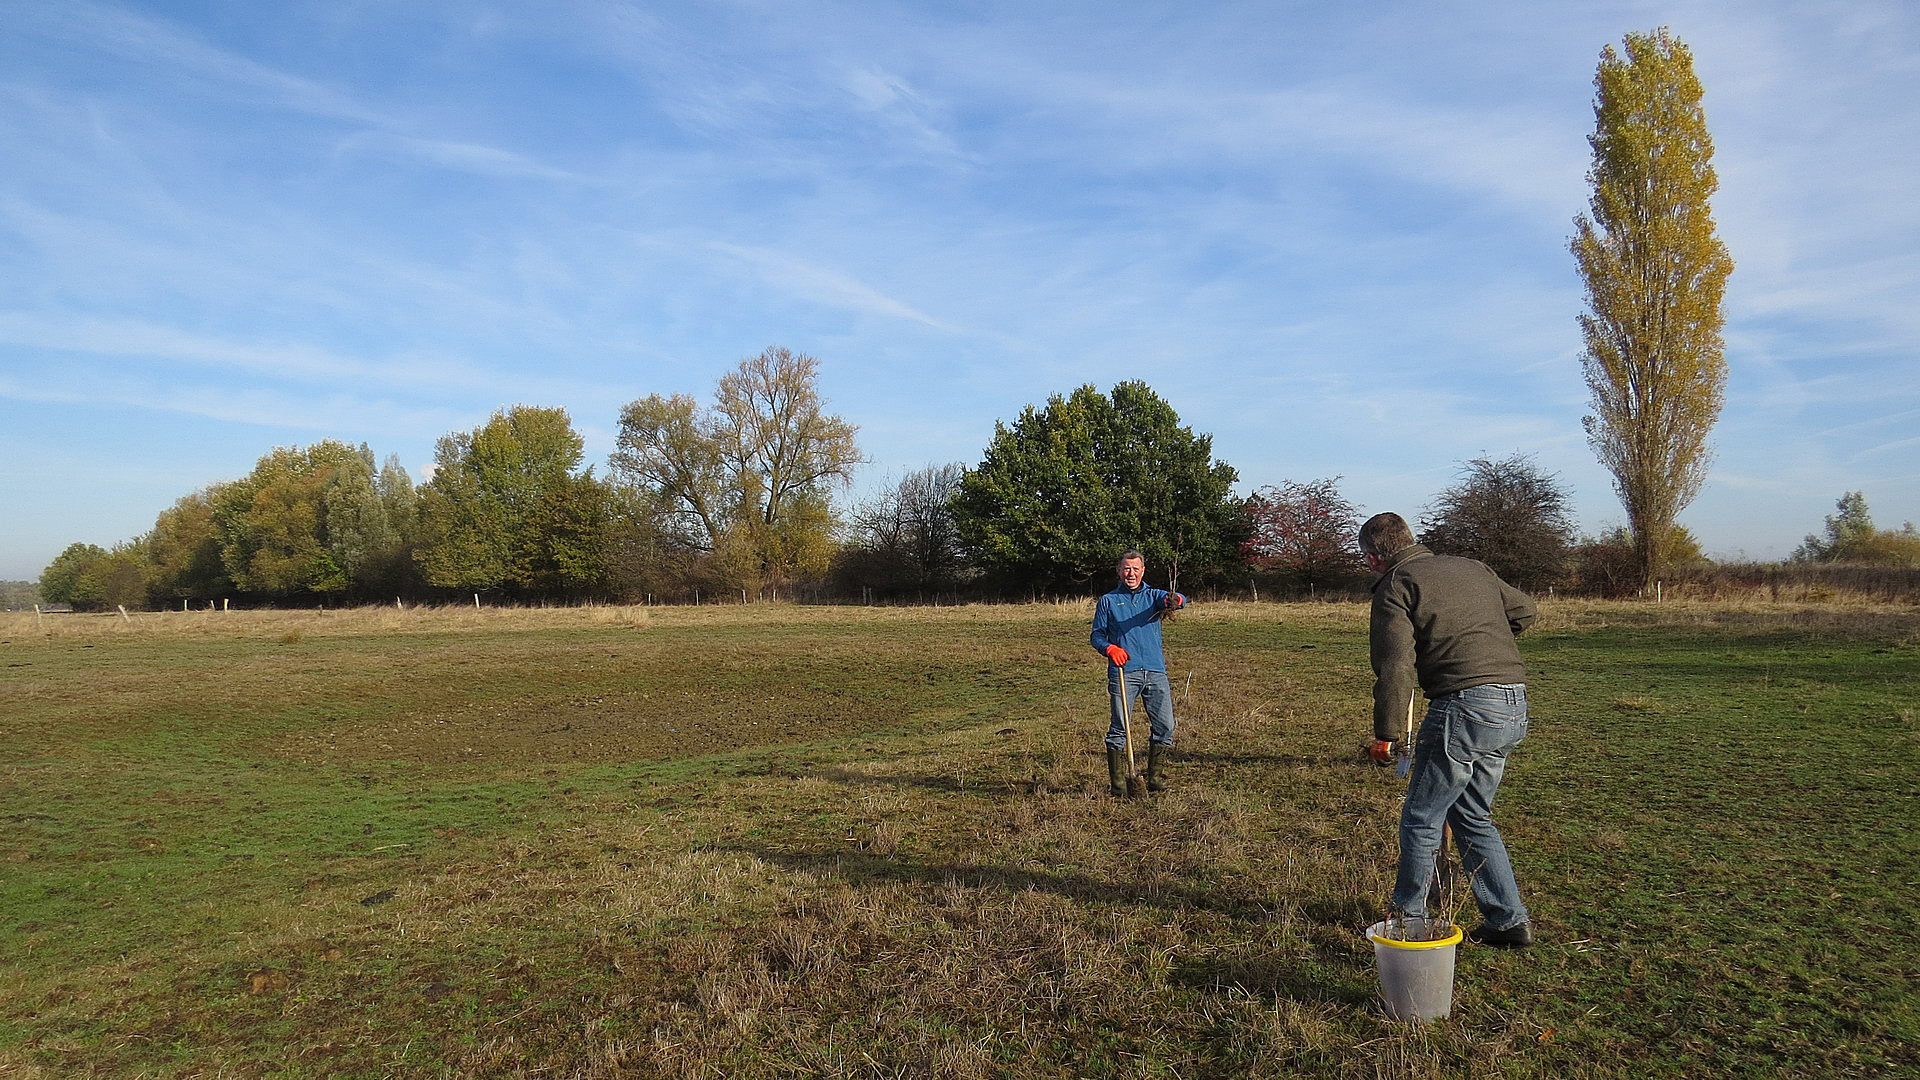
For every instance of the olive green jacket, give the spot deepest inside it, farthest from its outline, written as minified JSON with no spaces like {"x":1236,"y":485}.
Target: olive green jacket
{"x":1445,"y":623}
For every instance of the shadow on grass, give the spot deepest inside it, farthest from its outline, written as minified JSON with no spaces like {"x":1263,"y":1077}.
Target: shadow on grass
{"x":861,"y":867}
{"x":1319,"y":967}
{"x":974,"y":783}
{"x":1314,"y":979}
{"x":977,"y":782}
{"x":1312,"y":761}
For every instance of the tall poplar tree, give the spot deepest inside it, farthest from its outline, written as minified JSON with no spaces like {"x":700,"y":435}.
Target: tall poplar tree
{"x":1655,"y":272}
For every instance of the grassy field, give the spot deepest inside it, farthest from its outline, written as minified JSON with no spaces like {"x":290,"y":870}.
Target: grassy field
{"x":775,"y":841}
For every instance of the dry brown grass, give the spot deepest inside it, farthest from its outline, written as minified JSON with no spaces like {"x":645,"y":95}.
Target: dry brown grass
{"x":1856,"y":618}
{"x":275,"y":622}
{"x":298,"y":623}
{"x":1840,"y":613}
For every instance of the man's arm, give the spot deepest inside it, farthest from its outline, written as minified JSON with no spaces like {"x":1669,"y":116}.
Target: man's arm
{"x":1520,"y":608}
{"x":1102,"y":619}
{"x":1390,"y":647}
{"x":1160,"y":600}
{"x":1115,"y":653}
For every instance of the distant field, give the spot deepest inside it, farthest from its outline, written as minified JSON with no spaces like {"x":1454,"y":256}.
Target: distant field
{"x":777,"y":841}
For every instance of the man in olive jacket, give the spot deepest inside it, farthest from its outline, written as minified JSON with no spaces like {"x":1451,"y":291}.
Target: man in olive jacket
{"x":1445,"y":626}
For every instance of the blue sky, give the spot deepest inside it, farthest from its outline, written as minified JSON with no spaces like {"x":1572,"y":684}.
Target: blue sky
{"x":1332,"y":236}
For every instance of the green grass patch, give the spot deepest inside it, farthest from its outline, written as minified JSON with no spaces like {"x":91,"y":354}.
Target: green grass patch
{"x":776,"y":841}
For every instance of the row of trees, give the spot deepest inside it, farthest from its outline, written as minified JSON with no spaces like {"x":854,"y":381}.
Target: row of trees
{"x":1505,"y":512}
{"x":718,"y":500}
{"x":735,"y":498}
{"x":730,"y":497}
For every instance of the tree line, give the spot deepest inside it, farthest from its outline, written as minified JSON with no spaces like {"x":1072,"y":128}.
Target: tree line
{"x":733,"y":496}
{"x":735,"y":500}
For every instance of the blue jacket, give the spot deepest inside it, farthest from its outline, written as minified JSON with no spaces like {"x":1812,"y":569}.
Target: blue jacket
{"x":1125,"y":617}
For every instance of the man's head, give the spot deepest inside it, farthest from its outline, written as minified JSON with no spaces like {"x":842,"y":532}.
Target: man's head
{"x":1132,"y":569}
{"x":1383,"y":536}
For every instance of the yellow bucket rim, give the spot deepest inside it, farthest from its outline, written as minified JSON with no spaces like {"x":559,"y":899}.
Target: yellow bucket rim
{"x":1451,"y":939}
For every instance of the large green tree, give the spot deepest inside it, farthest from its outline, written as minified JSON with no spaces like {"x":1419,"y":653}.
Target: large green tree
{"x":370,"y":519}
{"x":1068,"y":487}
{"x":745,"y":482}
{"x":184,"y":551}
{"x":120,"y":579}
{"x":509,"y":509}
{"x":92,"y":578}
{"x":69,"y":578}
{"x":282,"y":527}
{"x":1655,"y":273}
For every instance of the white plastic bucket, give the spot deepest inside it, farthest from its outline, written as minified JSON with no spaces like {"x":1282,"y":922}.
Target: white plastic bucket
{"x":1416,"y":977}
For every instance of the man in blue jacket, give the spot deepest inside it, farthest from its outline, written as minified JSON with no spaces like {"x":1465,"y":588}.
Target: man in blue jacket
{"x":1126,"y":630}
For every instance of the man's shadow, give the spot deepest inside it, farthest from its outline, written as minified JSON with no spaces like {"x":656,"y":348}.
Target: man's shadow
{"x":1321,"y":965}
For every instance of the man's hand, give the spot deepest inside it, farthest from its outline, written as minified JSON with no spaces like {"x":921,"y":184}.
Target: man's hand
{"x":1173,"y":601}
{"x":1118,"y":655}
{"x":1381,"y":751}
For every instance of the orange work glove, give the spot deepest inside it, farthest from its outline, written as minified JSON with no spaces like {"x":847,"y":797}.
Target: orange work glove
{"x":1381,"y":751}
{"x":1118,"y":655}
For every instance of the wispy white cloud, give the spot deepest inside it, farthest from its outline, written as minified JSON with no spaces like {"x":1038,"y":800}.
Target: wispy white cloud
{"x":95,"y":29}
{"x":821,"y":285}
{"x":146,"y":347}
{"x":1905,"y":418}
{"x":1893,"y":447}
{"x":475,"y":158}
{"x":899,"y":106}
{"x":335,"y":414}
{"x":1526,"y":158}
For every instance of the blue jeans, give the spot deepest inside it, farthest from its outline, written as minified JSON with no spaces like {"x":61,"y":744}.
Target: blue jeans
{"x":1154,"y":694}
{"x":1458,"y":759}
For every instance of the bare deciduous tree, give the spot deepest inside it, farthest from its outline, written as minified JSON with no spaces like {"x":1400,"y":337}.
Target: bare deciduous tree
{"x":904,"y":538}
{"x":1507,"y":514}
{"x":746,"y":481}
{"x":1304,"y":534}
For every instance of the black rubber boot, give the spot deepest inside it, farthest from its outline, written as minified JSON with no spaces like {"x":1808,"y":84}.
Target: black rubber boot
{"x":1156,"y":759}
{"x":1117,"y":772}
{"x":1513,"y":937}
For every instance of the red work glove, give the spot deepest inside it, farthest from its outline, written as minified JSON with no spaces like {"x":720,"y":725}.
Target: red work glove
{"x":1381,"y":751}
{"x":1118,"y":655}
